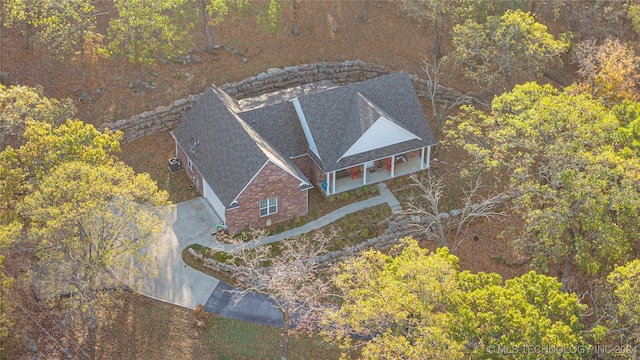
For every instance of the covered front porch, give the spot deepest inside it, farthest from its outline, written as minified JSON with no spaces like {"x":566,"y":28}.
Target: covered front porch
{"x":375,"y":171}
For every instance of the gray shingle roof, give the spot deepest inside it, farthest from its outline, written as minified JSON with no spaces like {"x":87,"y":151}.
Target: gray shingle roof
{"x":236,"y":138}
{"x":339,"y":117}
{"x":274,"y":118}
{"x":279,"y":125}
{"x":229,"y":153}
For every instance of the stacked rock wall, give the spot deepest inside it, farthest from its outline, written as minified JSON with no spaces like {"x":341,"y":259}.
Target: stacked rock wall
{"x":167,"y":117}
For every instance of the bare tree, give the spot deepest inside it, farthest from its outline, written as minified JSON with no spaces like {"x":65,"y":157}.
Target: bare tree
{"x":291,"y":276}
{"x":441,"y":107}
{"x":424,"y":210}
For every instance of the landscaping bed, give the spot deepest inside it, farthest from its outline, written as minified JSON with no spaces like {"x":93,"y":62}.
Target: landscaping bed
{"x":348,"y":231}
{"x":319,"y":205}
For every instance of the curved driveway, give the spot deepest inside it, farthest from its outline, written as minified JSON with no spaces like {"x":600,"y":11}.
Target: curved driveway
{"x":193,"y":222}
{"x":188,"y":222}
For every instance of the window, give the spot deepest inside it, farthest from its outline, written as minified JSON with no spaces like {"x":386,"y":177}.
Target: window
{"x":269,"y":206}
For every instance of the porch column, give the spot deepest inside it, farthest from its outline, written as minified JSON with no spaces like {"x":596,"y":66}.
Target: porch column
{"x":428,"y":157}
{"x":328,"y":183}
{"x":393,"y":165}
{"x":422,"y":159}
{"x":333,"y":187}
{"x":364,"y":175}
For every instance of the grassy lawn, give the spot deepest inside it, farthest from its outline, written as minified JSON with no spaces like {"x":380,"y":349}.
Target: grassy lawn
{"x":197,"y":264}
{"x":150,"y":329}
{"x":243,"y":340}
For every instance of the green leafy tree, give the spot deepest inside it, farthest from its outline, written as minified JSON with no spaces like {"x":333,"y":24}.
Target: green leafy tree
{"x":46,"y":147}
{"x":93,"y":225}
{"x":560,"y":152}
{"x":418,"y":305}
{"x":505,"y":48}
{"x":25,"y":12}
{"x":146,"y":30}
{"x":6,"y":285}
{"x":68,"y":29}
{"x":21,"y":103}
{"x":89,"y":217}
{"x":480,"y":10}
{"x":628,"y":114}
{"x":625,"y":282}
{"x":270,"y":18}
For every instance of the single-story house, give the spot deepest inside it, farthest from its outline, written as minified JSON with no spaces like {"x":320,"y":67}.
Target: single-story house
{"x":255,"y":159}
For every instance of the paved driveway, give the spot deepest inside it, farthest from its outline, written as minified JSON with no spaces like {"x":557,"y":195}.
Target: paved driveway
{"x":193,"y":222}
{"x":256,"y":308}
{"x":188,"y":223}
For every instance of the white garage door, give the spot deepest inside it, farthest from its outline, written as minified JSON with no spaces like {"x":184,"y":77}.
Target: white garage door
{"x":215,"y":202}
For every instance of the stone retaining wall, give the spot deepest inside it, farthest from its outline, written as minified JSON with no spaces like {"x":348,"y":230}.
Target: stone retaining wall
{"x":167,"y":117}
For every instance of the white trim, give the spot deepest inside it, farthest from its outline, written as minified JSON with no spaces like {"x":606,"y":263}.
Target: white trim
{"x":214,"y":201}
{"x":235,"y":200}
{"x":364,"y":175}
{"x":328,"y":184}
{"x":382,"y":133}
{"x":402,"y":152}
{"x":393,"y":165}
{"x":421,"y":158}
{"x":429,"y":156}
{"x":305,"y":125}
{"x":268,"y":206}
{"x":333,"y":188}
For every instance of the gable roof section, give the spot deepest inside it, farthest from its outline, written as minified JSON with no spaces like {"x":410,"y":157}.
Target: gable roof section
{"x":229,"y":153}
{"x":275,"y":118}
{"x":382,"y":133}
{"x":339,"y":118}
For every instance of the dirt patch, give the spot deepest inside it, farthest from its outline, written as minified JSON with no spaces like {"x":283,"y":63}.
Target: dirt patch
{"x":150,"y":329}
{"x":387,"y":38}
{"x":151,"y":155}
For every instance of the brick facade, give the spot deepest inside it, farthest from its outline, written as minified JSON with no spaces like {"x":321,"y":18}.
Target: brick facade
{"x":302,"y":162}
{"x":270,"y":182}
{"x":311,"y":170}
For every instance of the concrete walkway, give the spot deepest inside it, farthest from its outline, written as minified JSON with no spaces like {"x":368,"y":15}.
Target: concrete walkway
{"x":385,"y":196}
{"x":193,"y":222}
